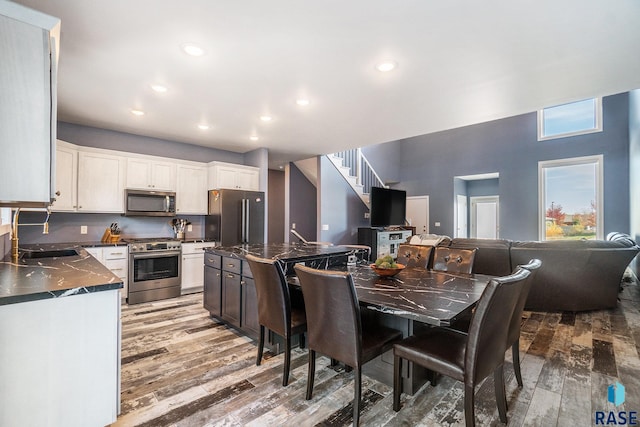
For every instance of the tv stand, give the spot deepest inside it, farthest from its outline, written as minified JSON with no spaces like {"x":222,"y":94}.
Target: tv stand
{"x":384,"y":241}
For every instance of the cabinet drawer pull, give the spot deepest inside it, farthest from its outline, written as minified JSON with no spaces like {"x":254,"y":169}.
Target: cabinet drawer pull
{"x":116,"y":269}
{"x":116,"y":253}
{"x":231,"y":265}
{"x":242,"y":282}
{"x":230,"y":276}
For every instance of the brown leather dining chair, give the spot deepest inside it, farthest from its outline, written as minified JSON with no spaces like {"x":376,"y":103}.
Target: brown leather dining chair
{"x":513,"y":336}
{"x":471,"y":357}
{"x":414,"y":255}
{"x":453,"y":260}
{"x":335,"y":328}
{"x":274,"y":308}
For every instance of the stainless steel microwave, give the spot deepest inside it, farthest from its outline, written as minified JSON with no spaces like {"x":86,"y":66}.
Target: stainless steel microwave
{"x":149,"y":203}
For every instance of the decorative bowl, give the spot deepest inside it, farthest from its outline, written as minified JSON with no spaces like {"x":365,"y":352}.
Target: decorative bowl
{"x":387,"y":271}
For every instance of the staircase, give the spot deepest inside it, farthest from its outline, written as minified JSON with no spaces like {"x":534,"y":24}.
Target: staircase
{"x":357,"y":170}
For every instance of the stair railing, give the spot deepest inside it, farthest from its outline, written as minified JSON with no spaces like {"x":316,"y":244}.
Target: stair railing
{"x":361,"y":169}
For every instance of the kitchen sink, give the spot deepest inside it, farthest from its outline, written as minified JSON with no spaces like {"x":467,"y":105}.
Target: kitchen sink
{"x":48,"y":254}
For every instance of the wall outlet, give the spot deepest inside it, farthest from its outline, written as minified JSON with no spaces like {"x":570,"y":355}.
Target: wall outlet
{"x":437,"y":224}
{"x":366,"y":215}
{"x":325,"y":227}
{"x":83,"y":229}
{"x":293,"y":225}
{"x":190,"y":227}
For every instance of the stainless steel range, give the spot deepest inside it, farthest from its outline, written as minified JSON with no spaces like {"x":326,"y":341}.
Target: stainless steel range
{"x":154,"y":269}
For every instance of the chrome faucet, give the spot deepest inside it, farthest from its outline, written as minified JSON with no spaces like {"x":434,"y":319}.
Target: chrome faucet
{"x":14,"y":230}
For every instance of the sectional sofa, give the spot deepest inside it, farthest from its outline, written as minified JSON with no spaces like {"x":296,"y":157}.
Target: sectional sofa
{"x":576,"y":275}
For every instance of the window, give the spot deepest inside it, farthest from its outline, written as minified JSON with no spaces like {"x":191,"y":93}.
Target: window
{"x":570,"y":198}
{"x":576,"y":118}
{"x":5,"y":220}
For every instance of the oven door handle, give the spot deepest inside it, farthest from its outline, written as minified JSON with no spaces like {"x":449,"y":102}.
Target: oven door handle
{"x":155,"y":254}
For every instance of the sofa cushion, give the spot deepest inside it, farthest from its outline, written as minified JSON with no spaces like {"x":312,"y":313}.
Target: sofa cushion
{"x":492,"y":256}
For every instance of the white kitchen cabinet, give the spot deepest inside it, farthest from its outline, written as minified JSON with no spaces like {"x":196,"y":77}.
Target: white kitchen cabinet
{"x":193,"y":266}
{"x":146,"y":174}
{"x":229,"y":175}
{"x":66,"y":187}
{"x":29,"y":43}
{"x":100,"y":182}
{"x":116,"y":259}
{"x":191,"y":190}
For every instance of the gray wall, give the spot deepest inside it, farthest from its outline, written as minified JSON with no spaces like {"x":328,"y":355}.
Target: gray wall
{"x":386,"y":158}
{"x":428,"y":164}
{"x":302,"y":205}
{"x":634,"y":165}
{"x":483,"y":187}
{"x":276,"y":207}
{"x":112,"y":140}
{"x":65,"y":227}
{"x":339,"y":206}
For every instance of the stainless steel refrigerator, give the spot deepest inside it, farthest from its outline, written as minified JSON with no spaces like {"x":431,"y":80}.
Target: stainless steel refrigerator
{"x":235,"y":217}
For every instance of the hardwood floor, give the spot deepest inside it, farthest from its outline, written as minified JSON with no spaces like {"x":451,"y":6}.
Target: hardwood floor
{"x":180,"y":367}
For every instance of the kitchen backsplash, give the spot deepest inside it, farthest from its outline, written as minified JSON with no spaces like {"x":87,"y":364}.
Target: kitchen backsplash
{"x":65,"y":227}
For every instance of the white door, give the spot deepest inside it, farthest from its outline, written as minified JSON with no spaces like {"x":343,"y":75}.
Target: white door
{"x":484,"y":217}
{"x":417,"y":214}
{"x":461,"y":216}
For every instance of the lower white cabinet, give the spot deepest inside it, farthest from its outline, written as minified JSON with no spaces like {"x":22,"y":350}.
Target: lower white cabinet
{"x":193,"y":266}
{"x":116,"y":259}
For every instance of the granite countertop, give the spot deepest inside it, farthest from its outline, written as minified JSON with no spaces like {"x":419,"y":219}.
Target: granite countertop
{"x":289,"y":252}
{"x":31,"y":279}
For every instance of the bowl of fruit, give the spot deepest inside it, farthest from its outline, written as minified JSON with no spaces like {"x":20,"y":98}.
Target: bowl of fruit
{"x":386,"y":266}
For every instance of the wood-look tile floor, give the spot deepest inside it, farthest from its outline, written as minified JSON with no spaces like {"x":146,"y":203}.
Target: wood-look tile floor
{"x":181,"y":367}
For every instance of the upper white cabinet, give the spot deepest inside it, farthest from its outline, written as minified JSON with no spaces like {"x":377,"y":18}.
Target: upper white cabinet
{"x":66,"y":187}
{"x":228,"y":175}
{"x":146,"y":174}
{"x":29,"y":43}
{"x":191,"y":192}
{"x":100,"y":182}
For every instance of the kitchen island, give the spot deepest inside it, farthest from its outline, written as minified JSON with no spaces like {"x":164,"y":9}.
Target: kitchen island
{"x":59,"y":339}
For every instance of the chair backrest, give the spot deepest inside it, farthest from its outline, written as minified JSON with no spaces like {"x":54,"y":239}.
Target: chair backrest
{"x":414,"y":255}
{"x":274,"y":303}
{"x":454,"y":260}
{"x":514,"y":326}
{"x":487,"y":340}
{"x":333,"y":315}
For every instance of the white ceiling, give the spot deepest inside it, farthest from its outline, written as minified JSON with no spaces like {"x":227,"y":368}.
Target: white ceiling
{"x":459,"y":62}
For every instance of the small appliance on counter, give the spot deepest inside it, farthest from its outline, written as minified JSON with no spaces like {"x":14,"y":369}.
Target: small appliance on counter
{"x":235,"y":217}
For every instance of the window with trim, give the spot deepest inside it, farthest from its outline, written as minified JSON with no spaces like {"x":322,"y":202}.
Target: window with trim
{"x":5,"y":220}
{"x":575,"y":118}
{"x":570,"y":198}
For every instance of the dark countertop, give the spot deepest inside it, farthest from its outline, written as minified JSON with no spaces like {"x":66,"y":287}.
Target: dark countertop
{"x":43,"y":278}
{"x":289,"y":252}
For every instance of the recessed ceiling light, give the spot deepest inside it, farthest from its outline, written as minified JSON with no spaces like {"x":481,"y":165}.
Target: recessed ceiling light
{"x":265,"y":118}
{"x":302,"y":102}
{"x":386,"y":66}
{"x":137,"y":112}
{"x":159,"y":88}
{"x":203,"y":127}
{"x":253,"y":138}
{"x":192,"y":49}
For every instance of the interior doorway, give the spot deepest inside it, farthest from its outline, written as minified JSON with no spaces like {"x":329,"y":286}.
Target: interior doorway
{"x":461,"y":216}
{"x":485,"y":217}
{"x":417,"y":214}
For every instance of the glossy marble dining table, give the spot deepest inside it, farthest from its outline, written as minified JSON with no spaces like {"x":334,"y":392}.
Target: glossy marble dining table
{"x":432,"y":297}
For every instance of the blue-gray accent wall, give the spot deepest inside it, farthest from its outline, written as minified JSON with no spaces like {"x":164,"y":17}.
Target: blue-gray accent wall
{"x":634,"y":167}
{"x":339,"y":206}
{"x":302,"y":205}
{"x":429,"y":163}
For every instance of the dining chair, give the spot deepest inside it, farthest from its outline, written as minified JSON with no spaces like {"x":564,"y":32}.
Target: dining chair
{"x":513,"y":336}
{"x":275,"y":311}
{"x":336,"y":329}
{"x":454,"y":260}
{"x":472,"y":357}
{"x":414,"y":255}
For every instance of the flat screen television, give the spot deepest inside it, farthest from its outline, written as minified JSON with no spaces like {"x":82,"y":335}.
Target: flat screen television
{"x":388,"y":207}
